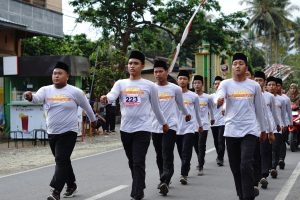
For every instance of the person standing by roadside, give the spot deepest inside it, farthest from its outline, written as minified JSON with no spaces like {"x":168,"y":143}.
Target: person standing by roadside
{"x":206,"y":107}
{"x":243,"y":110}
{"x":186,"y":132}
{"x":218,"y":127}
{"x":138,"y":99}
{"x":170,"y":98}
{"x":60,"y":103}
{"x":293,"y":94}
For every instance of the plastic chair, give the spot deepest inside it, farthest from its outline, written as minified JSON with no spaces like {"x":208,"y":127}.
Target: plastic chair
{"x":43,"y":134}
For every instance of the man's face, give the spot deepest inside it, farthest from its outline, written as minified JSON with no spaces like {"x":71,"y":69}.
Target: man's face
{"x":197,"y":85}
{"x":271,"y":87}
{"x":239,"y":67}
{"x":59,"y":76}
{"x":160,"y":74}
{"x":183,"y":81}
{"x":248,"y":74}
{"x":260,"y":81}
{"x":278,"y":87}
{"x":135,"y":66}
{"x":216,"y":84}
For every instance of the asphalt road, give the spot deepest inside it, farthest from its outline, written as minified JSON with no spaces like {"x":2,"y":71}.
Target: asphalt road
{"x":106,"y":176}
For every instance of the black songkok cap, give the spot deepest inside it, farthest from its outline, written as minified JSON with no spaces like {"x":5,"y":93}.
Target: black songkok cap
{"x":279,"y":81}
{"x":271,"y":78}
{"x":184,"y":73}
{"x":62,"y":65}
{"x":137,"y":55}
{"x":218,"y":78}
{"x":160,"y":63}
{"x":198,"y":77}
{"x":260,"y":74}
{"x":240,"y":56}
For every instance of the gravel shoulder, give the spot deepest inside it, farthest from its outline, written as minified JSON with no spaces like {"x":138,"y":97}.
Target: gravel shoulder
{"x":13,"y":160}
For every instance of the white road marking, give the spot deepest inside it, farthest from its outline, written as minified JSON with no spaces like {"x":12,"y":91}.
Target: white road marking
{"x":38,"y":168}
{"x":108,"y":192}
{"x":285,"y":190}
{"x":210,"y":150}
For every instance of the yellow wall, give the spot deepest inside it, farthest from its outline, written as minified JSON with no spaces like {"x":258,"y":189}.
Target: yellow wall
{"x":54,"y":5}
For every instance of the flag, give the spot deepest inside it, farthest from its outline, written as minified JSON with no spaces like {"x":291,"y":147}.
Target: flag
{"x":184,"y":36}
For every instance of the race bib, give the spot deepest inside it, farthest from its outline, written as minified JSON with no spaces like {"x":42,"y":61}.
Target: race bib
{"x":132,"y":100}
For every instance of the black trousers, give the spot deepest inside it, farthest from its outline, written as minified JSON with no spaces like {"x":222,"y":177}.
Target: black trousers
{"x":257,"y":163}
{"x":136,"y":146}
{"x":276,"y":149}
{"x":266,"y":158}
{"x":185,"y":145}
{"x":62,"y":146}
{"x":240,"y":154}
{"x":219,"y":140}
{"x":164,"y":147}
{"x":285,"y":137}
{"x":202,"y":148}
{"x":110,"y":118}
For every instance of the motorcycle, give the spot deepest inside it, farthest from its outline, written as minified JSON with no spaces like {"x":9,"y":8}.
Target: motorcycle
{"x":294,"y":135}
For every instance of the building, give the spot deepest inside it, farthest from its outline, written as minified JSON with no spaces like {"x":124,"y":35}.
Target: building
{"x":21,"y":19}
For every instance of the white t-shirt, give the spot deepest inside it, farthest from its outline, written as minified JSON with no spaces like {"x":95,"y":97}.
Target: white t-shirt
{"x":271,"y":111}
{"x":219,"y":118}
{"x":206,"y":109}
{"x":137,"y":100}
{"x":289,"y":116}
{"x":191,"y":103}
{"x":280,"y":109}
{"x":170,"y":97}
{"x":243,"y":107}
{"x":61,"y":105}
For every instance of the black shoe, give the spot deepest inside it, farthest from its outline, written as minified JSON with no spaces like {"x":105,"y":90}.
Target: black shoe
{"x":164,"y":189}
{"x":70,"y":191}
{"x":54,"y":196}
{"x":183,"y":180}
{"x":138,"y":197}
{"x":264,"y":183}
{"x":281,"y":164}
{"x":274,"y":173}
{"x":256,"y":191}
{"x":220,"y":162}
{"x":200,"y":172}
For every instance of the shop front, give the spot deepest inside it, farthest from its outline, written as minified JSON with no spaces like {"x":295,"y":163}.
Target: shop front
{"x":24,"y":117}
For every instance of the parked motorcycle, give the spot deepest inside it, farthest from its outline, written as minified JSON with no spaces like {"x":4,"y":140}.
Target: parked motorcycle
{"x":294,"y":135}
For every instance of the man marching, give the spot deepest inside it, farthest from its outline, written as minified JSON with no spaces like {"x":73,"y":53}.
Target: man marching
{"x":170,"y":98}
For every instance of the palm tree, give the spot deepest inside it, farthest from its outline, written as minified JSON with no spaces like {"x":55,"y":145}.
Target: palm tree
{"x":269,"y":18}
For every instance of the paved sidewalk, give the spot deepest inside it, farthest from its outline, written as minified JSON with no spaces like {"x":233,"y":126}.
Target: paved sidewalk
{"x":14,"y":160}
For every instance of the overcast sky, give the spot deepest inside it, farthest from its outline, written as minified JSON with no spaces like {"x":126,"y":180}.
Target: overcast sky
{"x":71,"y":28}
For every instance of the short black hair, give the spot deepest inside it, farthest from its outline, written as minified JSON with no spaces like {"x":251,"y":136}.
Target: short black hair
{"x":62,"y":65}
{"x":160,"y":63}
{"x":271,"y":79}
{"x":260,"y":74}
{"x":137,"y":55}
{"x":218,"y":78}
{"x":198,"y":78}
{"x":279,"y":81}
{"x":184,"y":73}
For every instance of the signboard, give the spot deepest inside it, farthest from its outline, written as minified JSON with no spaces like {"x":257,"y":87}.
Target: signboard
{"x":30,"y":117}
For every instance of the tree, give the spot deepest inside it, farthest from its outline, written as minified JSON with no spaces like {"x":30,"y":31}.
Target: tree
{"x":127,"y":21}
{"x":269,"y":18}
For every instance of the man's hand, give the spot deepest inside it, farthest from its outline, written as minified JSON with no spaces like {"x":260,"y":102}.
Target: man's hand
{"x":200,"y":130}
{"x":103,"y":99}
{"x":271,"y":138}
{"x":278,"y":128}
{"x":212,"y":122}
{"x":94,"y":124}
{"x":28,"y":95}
{"x":188,"y":118}
{"x":263,"y":136}
{"x":165,"y":128}
{"x":220,"y":101}
{"x":223,"y":112}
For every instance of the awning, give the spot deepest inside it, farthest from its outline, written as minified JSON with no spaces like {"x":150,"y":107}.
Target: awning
{"x":11,"y":24}
{"x":39,"y":66}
